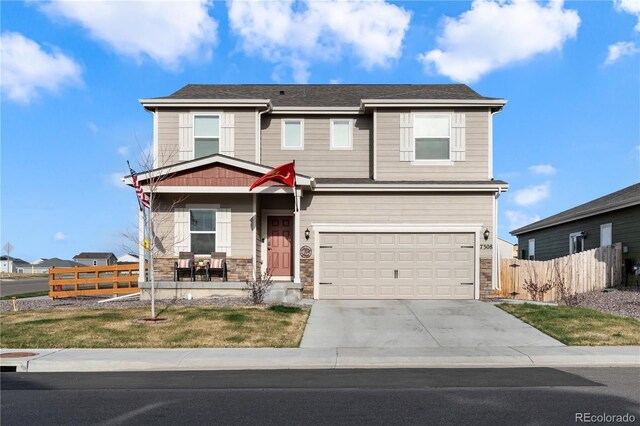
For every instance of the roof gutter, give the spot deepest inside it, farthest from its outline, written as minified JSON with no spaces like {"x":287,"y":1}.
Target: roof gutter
{"x":154,"y":103}
{"x":494,"y":104}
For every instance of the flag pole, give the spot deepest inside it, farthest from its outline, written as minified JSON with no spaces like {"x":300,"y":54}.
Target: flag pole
{"x":295,"y":183}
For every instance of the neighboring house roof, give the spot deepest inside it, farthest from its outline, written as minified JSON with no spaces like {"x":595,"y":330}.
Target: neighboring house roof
{"x":627,"y":197}
{"x":324,"y":95}
{"x":93,"y":255}
{"x":59,"y":263}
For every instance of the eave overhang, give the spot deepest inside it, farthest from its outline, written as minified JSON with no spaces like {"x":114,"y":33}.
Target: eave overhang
{"x":411,"y":187}
{"x":494,"y":104}
{"x":152,"y":103}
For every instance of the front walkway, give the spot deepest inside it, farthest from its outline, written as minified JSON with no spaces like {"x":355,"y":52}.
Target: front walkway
{"x":416,"y":324}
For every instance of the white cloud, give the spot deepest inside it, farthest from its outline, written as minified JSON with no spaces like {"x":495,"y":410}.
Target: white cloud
{"x":27,"y":69}
{"x":295,"y":33}
{"x":334,"y":81}
{"x":60,"y":236}
{"x":167,"y":32}
{"x":115,"y":179}
{"x":518,"y":219}
{"x":631,"y":7}
{"x":123,"y":151}
{"x":92,"y":126}
{"x":494,"y":34}
{"x":532,"y":194}
{"x":619,"y":50}
{"x":543,"y":169}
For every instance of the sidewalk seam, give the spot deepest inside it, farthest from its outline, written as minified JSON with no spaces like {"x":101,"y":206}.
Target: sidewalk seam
{"x":512,"y":347}
{"x":183,"y":358}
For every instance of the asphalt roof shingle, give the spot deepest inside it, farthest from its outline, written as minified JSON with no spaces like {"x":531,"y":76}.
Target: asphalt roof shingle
{"x":628,"y":196}
{"x":93,"y":255}
{"x":329,"y":95}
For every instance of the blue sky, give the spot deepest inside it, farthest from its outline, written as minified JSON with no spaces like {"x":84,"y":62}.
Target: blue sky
{"x":72,"y":73}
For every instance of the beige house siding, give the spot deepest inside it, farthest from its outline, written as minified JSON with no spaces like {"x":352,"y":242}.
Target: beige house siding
{"x":241,"y":225}
{"x":167,"y":123}
{"x":474,"y":167}
{"x":396,"y":208}
{"x":168,"y":133}
{"x":317,"y":159}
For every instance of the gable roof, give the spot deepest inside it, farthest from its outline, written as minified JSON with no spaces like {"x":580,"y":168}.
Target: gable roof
{"x":59,"y":263}
{"x":211,"y":160}
{"x":93,"y":255}
{"x":627,"y":197}
{"x":322,"y":95}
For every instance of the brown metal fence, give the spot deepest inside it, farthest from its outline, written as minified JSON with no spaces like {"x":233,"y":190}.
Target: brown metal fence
{"x":93,"y":280}
{"x":581,"y":272}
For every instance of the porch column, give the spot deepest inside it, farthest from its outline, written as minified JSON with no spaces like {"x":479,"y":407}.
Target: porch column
{"x":141,"y":225}
{"x":296,"y":239}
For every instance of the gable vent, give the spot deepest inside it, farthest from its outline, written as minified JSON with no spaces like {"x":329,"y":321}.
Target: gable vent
{"x":282,"y":92}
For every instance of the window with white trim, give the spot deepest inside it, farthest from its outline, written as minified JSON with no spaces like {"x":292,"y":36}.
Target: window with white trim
{"x":292,"y":134}
{"x":576,"y":242}
{"x":341,"y":134}
{"x":206,"y":135}
{"x":605,"y":235}
{"x":432,"y":137}
{"x":202,"y":227}
{"x":532,"y":249}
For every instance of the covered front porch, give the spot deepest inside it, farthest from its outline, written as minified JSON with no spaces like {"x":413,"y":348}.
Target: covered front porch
{"x":205,"y":206}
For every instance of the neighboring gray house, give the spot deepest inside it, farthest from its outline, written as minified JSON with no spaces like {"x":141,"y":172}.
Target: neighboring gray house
{"x":614,"y":218}
{"x":394,"y":185}
{"x":43,"y":265}
{"x":96,"y":259}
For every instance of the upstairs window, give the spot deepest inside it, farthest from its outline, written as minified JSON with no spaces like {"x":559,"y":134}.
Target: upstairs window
{"x":341,"y":134}
{"x":532,"y":249}
{"x":576,"y":242}
{"x":206,"y":132}
{"x":432,"y":137}
{"x":203,"y":231}
{"x":605,"y":235}
{"x":292,"y":134}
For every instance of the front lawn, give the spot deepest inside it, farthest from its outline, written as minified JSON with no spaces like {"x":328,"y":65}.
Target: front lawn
{"x":578,"y":326}
{"x":188,"y":327}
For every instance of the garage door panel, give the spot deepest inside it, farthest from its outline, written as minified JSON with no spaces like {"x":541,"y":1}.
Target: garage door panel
{"x":396,"y":266}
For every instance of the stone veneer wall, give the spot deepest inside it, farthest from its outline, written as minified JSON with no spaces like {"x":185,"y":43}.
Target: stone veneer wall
{"x":306,"y":276}
{"x":486,"y":291}
{"x":238,"y":269}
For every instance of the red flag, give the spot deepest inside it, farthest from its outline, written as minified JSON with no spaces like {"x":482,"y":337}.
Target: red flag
{"x":285,"y":174}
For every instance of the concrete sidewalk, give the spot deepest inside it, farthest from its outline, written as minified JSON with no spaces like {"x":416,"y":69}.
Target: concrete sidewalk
{"x":102,"y":360}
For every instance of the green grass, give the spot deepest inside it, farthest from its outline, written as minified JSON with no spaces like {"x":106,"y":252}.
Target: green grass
{"x":189,"y":327}
{"x":576,"y":326}
{"x":25,"y":295}
{"x":285,"y":309}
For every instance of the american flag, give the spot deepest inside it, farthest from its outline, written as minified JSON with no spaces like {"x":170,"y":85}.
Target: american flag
{"x":142,"y":197}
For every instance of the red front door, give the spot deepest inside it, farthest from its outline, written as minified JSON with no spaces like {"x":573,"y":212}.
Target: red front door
{"x":279,"y":245}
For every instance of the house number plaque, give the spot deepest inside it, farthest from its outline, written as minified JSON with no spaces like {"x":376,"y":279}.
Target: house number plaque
{"x":305,"y":252}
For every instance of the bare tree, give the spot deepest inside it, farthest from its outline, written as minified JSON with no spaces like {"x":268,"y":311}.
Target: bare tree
{"x":158,"y":218}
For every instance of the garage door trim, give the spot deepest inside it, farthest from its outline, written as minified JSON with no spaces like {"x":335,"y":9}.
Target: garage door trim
{"x":319,"y":228}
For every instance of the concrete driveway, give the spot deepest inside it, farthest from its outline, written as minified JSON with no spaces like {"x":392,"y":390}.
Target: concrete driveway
{"x":416,"y":323}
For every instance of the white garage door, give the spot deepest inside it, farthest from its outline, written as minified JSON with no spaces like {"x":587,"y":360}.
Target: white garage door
{"x":396,"y":266}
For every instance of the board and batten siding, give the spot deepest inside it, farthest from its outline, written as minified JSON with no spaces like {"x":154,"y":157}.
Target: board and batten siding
{"x":394,"y":208}
{"x":236,"y":208}
{"x":553,"y":242}
{"x":317,"y":159}
{"x":474,"y":161}
{"x":241,"y":129}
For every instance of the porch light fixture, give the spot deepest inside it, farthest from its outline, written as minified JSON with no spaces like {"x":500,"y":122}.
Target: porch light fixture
{"x":486,"y":234}
{"x":307,"y":234}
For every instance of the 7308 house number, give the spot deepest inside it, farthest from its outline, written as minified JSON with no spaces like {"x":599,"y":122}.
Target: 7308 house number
{"x":486,"y":246}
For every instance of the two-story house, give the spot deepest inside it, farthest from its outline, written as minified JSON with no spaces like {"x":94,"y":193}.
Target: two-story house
{"x":394,"y":186}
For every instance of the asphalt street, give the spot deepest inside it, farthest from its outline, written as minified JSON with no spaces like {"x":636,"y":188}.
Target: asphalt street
{"x":13,"y":287}
{"x":395,"y":396}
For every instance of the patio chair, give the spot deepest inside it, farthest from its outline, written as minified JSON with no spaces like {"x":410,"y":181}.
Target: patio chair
{"x":185,"y":263}
{"x":218,"y":263}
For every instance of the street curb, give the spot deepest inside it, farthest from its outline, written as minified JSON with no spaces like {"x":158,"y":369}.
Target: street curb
{"x":111,"y":360}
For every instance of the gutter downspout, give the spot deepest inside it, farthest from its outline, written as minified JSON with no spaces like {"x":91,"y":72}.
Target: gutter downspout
{"x":259,"y":131}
